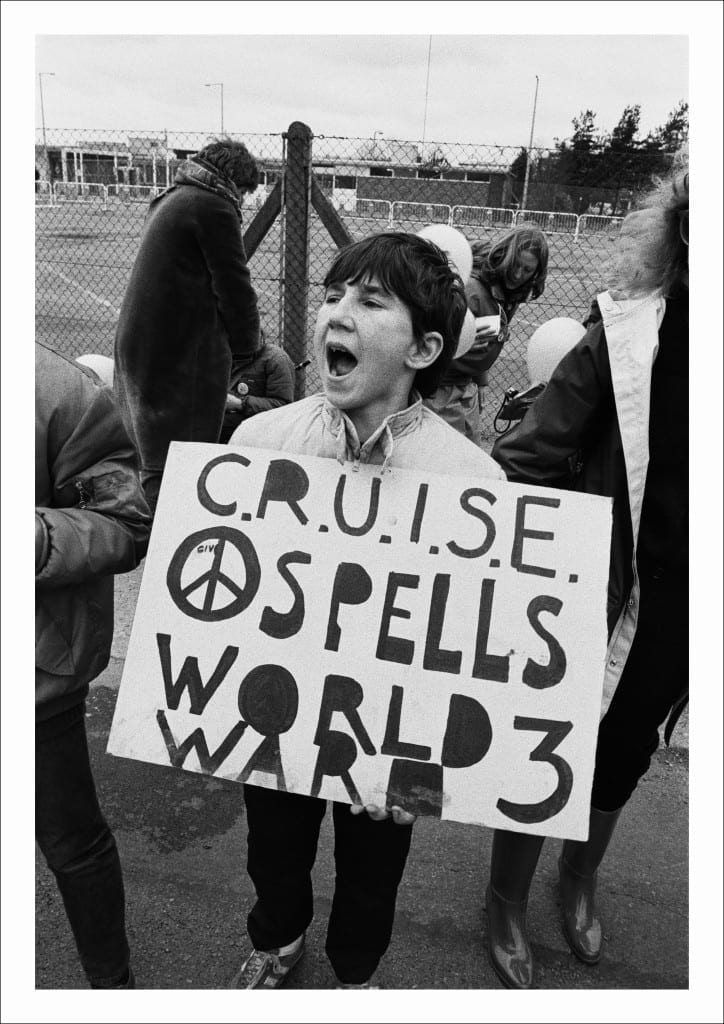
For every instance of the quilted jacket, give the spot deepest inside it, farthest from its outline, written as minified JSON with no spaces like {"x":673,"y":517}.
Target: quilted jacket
{"x":91,"y":521}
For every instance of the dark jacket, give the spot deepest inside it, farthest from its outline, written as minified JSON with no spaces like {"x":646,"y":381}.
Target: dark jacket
{"x":91,"y":521}
{"x":268,"y":375}
{"x":485,"y":298}
{"x":588,"y":431}
{"x":569,"y":438}
{"x":189,"y":307}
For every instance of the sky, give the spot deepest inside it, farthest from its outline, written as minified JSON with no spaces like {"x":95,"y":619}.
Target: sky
{"x":481,"y":87}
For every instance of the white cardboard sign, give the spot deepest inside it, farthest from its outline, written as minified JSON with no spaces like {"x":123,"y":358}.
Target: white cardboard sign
{"x":436,"y":642}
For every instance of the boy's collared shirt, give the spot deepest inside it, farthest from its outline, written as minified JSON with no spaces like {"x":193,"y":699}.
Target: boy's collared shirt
{"x":414,"y":438}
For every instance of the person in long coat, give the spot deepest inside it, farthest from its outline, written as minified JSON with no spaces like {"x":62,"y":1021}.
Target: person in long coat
{"x":189,"y":308}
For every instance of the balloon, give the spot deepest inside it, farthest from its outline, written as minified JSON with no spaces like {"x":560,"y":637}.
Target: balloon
{"x":454,"y":244}
{"x":467,"y":335}
{"x":548,"y":344}
{"x":101,"y":365}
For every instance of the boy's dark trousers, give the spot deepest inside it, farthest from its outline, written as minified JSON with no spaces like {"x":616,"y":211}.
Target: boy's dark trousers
{"x":79,"y":847}
{"x":369,"y":857}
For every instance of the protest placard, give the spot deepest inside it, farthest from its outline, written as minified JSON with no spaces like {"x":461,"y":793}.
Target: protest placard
{"x":398,"y":637}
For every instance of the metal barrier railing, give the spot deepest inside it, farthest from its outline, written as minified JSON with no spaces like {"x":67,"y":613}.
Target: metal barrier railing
{"x":564,"y":222}
{"x":133,"y":193}
{"x":79,"y":192}
{"x":590,"y":223}
{"x":481,"y":216}
{"x":43,"y":193}
{"x":429,"y":213}
{"x":50,"y":193}
{"x":378,"y":209}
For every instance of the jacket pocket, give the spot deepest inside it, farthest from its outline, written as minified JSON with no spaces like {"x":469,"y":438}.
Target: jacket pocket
{"x":53,"y":650}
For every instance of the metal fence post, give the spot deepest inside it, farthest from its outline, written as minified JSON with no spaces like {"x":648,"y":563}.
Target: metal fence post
{"x":296,"y":246}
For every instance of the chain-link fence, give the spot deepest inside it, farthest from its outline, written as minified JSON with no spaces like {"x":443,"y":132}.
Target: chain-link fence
{"x":92,"y":191}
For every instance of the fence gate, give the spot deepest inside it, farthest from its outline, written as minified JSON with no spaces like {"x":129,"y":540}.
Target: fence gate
{"x":290,"y":200}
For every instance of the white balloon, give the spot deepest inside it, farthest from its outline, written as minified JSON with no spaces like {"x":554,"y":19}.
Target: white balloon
{"x":454,"y":244}
{"x":467,"y":335}
{"x":101,"y":365}
{"x":548,"y":344}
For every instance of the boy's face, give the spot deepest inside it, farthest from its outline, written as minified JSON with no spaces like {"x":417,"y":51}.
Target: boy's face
{"x":365,"y":348}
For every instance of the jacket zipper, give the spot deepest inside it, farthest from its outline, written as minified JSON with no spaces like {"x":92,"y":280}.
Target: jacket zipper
{"x":83,"y":495}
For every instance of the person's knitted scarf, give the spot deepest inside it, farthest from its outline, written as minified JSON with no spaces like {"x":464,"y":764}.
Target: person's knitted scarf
{"x":192,"y":172}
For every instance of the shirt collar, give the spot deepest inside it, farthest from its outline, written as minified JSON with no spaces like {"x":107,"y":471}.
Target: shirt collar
{"x":348,"y":445}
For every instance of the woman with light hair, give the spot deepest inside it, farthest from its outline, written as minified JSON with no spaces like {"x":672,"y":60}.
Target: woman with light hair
{"x":588,"y":431}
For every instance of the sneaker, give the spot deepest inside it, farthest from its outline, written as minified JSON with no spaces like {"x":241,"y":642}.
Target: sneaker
{"x":267,"y":969}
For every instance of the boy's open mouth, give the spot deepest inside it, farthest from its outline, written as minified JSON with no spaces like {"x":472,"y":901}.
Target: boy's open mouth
{"x":340,"y":361}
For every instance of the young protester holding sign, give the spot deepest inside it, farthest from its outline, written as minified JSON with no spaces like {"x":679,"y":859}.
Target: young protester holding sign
{"x":613,"y":421}
{"x":387,"y":329}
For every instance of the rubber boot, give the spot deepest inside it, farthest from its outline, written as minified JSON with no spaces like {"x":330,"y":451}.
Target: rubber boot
{"x":513,"y":863}
{"x":578,"y":866}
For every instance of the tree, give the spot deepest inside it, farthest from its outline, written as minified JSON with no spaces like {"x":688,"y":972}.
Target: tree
{"x":584,"y":136}
{"x":623,"y":136}
{"x":517,"y":168}
{"x":660,"y":145}
{"x":675,"y":131}
{"x":608,"y":171}
{"x":517,"y":173}
{"x":578,"y":160}
{"x":621,"y":166}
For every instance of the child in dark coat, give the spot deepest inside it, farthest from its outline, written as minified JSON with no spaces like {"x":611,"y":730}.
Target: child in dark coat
{"x":259,"y":382}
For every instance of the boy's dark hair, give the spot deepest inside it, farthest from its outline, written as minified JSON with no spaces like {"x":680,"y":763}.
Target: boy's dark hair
{"x":419,"y":274}
{"x":232,"y":159}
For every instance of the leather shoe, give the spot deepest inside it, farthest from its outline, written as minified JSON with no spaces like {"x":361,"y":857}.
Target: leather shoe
{"x":581,"y":923}
{"x":510,"y":953}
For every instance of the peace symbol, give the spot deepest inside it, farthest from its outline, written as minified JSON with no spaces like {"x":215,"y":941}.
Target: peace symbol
{"x":213,"y":577}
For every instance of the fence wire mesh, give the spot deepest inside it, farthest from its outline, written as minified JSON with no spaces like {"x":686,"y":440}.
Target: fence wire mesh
{"x":92,"y":191}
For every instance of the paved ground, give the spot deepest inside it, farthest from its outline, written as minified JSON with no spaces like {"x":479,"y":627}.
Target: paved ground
{"x":182,"y":843}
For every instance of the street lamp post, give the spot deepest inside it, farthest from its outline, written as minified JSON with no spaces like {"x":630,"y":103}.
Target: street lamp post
{"x":211,"y":85}
{"x":48,"y":74}
{"x":427,"y":89}
{"x":530,"y":146}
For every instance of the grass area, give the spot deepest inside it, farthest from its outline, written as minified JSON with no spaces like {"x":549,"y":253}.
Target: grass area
{"x":84,"y":255}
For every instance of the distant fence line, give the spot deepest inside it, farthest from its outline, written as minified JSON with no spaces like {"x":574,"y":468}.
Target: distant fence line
{"x":389,"y":212}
